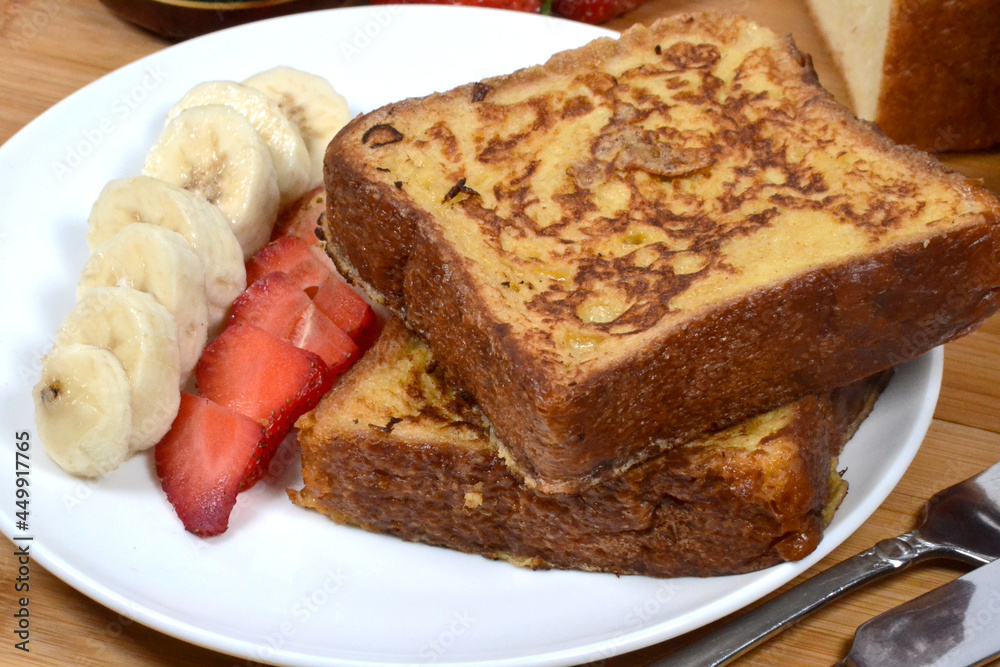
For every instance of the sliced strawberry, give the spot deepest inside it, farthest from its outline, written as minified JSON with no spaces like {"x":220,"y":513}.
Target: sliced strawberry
{"x":316,"y":332}
{"x":273,"y":303}
{"x":256,"y":373}
{"x":301,"y":219}
{"x":593,"y":11}
{"x":331,"y":294}
{"x":533,"y":6}
{"x":202,"y":462}
{"x":346,"y":309}
{"x":288,"y":255}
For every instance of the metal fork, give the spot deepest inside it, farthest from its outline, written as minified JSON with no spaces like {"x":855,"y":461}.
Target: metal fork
{"x":960,"y":523}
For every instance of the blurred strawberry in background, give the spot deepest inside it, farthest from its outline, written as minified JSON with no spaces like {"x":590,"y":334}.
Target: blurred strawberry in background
{"x":593,"y":11}
{"x":587,"y":11}
{"x":534,"y":6}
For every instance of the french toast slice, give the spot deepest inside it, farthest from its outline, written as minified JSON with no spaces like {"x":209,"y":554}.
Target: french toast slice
{"x":654,"y":237}
{"x":395,"y":449}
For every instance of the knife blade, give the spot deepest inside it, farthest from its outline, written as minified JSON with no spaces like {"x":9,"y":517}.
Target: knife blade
{"x":955,"y":625}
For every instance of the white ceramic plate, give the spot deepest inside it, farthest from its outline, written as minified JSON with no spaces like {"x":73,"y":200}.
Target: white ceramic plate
{"x":286,"y":585}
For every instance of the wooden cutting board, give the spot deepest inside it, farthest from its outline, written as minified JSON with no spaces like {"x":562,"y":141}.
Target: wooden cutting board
{"x":50,"y":48}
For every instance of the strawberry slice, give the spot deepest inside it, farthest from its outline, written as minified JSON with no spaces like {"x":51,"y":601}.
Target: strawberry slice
{"x":292,"y":256}
{"x":301,"y":219}
{"x":346,"y":309}
{"x":202,"y":462}
{"x":593,"y":11}
{"x":328,"y":290}
{"x":274,"y":303}
{"x":255,"y":373}
{"x":532,"y":6}
{"x":316,"y":332}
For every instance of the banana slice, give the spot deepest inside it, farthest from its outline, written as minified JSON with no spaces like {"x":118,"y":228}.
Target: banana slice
{"x":162,"y":263}
{"x":311,"y":103}
{"x":142,"y":334}
{"x":288,"y":150}
{"x":215,"y":152}
{"x":83,"y":409}
{"x":143,"y":199}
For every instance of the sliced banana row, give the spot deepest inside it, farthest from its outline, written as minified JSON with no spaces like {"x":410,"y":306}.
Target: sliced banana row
{"x":215,"y":152}
{"x":89,"y":418}
{"x":143,"y":199}
{"x":141,"y":333}
{"x":162,"y":264}
{"x":167,"y":260}
{"x":206,"y":149}
{"x":83,"y":408}
{"x":281,"y":137}
{"x":143,"y":310}
{"x":311,"y":103}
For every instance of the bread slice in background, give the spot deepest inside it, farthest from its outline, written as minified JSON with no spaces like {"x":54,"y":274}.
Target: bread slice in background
{"x":926,"y":71}
{"x":395,"y":449}
{"x":654,"y":237}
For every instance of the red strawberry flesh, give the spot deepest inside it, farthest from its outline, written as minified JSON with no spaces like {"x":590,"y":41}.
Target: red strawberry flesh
{"x":345,"y":308}
{"x":331,"y":294}
{"x":287,"y":255}
{"x":273,"y":303}
{"x":278,"y":306}
{"x":593,"y":11}
{"x":256,"y":373}
{"x":316,"y":332}
{"x":516,"y":5}
{"x":202,"y":462}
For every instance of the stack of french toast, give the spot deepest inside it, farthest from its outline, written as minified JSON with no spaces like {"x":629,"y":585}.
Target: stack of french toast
{"x":641,"y":296}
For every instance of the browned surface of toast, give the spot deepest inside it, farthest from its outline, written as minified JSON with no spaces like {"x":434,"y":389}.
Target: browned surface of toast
{"x":654,"y":237}
{"x":395,"y":449}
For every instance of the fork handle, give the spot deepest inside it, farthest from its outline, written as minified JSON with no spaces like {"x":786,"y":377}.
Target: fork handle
{"x":736,"y":638}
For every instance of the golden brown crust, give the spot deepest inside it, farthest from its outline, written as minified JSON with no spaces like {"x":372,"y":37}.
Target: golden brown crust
{"x":941,"y":77}
{"x":668,"y":370}
{"x":739,"y":501}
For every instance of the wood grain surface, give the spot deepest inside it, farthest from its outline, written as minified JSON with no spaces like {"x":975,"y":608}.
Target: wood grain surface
{"x":51,"y":48}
